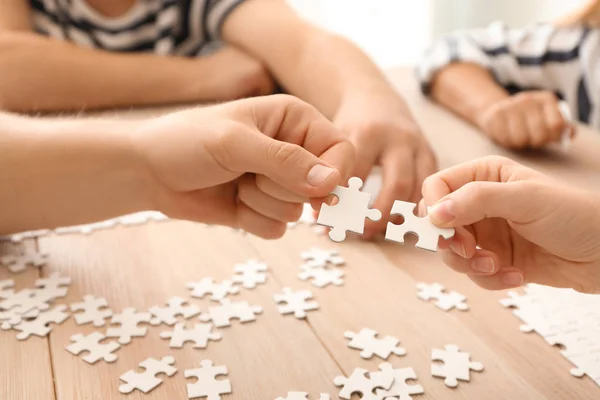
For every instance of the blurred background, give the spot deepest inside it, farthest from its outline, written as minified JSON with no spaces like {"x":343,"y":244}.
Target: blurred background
{"x":410,"y":25}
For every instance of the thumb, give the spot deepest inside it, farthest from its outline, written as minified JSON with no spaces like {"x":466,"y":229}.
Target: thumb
{"x":518,"y":202}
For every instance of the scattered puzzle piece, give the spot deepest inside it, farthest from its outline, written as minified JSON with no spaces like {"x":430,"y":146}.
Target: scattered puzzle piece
{"x":359,"y":383}
{"x":147,"y":380}
{"x":318,"y":258}
{"x":27,"y":300}
{"x":39,"y":326}
{"x":399,"y":389}
{"x":129,"y":320}
{"x":457,"y":365}
{"x":95,"y":310}
{"x":207,"y":384}
{"x":175,"y":306}
{"x":445,"y":301}
{"x":349,"y":214}
{"x":218,"y":291}
{"x":250,"y":274}
{"x":200,"y":335}
{"x":296,"y":302}
{"x":6,"y":288}
{"x":15,"y":316}
{"x":426,"y":231}
{"x":366,"y":341}
{"x":301,"y":396}
{"x":19,"y":263}
{"x":222,"y":315}
{"x":91,"y":344}
{"x":322,"y":277}
{"x":54,"y":285}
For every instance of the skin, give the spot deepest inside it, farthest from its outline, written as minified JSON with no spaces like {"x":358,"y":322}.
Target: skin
{"x":529,"y":119}
{"x":199,"y":164}
{"x":529,"y":227}
{"x":322,"y":69}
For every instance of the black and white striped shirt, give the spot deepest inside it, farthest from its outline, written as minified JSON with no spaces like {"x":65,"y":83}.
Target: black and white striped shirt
{"x":164,"y":27}
{"x":539,"y":57}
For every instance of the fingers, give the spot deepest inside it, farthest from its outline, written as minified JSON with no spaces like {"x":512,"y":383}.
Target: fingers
{"x":277,"y":191}
{"x":555,"y":121}
{"x":260,"y":202}
{"x":258,"y":224}
{"x":426,"y":166}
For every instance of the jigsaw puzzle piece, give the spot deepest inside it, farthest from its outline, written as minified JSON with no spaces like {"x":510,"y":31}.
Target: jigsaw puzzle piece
{"x":457,"y":365}
{"x":400,"y":389}
{"x":359,"y":383}
{"x":207,"y":384}
{"x":147,"y":380}
{"x":96,"y":350}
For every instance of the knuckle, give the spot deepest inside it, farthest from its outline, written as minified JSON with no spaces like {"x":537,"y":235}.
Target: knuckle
{"x":284,"y":154}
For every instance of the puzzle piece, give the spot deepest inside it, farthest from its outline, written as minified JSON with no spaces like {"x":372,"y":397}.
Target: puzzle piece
{"x":207,"y":384}
{"x":95,"y":310}
{"x":218,"y":291}
{"x":19,"y":263}
{"x":6,"y":288}
{"x":301,"y":396}
{"x":457,"y":365}
{"x":358,"y":382}
{"x":96,"y":350}
{"x":54,"y":285}
{"x":27,"y":300}
{"x":175,"y":306}
{"x":129,"y":320}
{"x":147,"y":380}
{"x":15,"y":316}
{"x":19,"y":237}
{"x":250,"y":274}
{"x":39,"y":326}
{"x":399,"y":389}
{"x":322,"y":277}
{"x":426,"y":231}
{"x":222,"y":315}
{"x":366,"y":341}
{"x":445,"y":301}
{"x":200,"y":335}
{"x":349,"y":213}
{"x":296,"y":302}
{"x":318,"y":258}
{"x":586,"y":363}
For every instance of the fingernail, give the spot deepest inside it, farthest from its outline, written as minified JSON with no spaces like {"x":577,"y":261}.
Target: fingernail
{"x":459,"y":249}
{"x":483,"y":264}
{"x":513,"y":279}
{"x":319,"y":174}
{"x":442,"y":213}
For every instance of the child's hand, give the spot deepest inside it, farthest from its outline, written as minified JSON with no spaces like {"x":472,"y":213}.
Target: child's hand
{"x":529,"y":228}
{"x":247,"y":164}
{"x":525,"y":120}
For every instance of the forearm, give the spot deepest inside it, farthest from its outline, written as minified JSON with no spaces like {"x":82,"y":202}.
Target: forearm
{"x":466,"y":89}
{"x":67,"y":172}
{"x":40,"y":74}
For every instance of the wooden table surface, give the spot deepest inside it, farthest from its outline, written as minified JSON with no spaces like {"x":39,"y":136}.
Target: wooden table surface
{"x":146,"y":265}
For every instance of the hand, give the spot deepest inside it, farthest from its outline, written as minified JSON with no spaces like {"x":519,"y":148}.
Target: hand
{"x":238,"y":75}
{"x":525,"y":120}
{"x":529,"y":227}
{"x":384,"y":133}
{"x":219,"y":165}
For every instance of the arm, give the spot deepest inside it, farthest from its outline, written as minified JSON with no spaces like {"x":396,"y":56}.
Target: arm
{"x":42,"y":74}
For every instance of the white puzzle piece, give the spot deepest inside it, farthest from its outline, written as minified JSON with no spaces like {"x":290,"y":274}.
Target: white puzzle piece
{"x":27,"y":300}
{"x":207,"y":385}
{"x":445,"y":300}
{"x":15,"y":316}
{"x":96,"y":351}
{"x":457,"y":365}
{"x":18,"y":264}
{"x":318,"y":258}
{"x":426,"y":231}
{"x":296,"y":302}
{"x":400,"y":389}
{"x":19,"y":237}
{"x":349,"y":214}
{"x":302,"y":396}
{"x":222,"y":315}
{"x":54,"y":285}
{"x":322,"y":277}
{"x":218,"y":291}
{"x":147,"y":380}
{"x":6,"y":289}
{"x":95,"y":311}
{"x":175,"y":306}
{"x":370,"y":345}
{"x":129,"y":320}
{"x":200,"y":334}
{"x":250,"y":274}
{"x":39,"y":326}
{"x":359,"y":383}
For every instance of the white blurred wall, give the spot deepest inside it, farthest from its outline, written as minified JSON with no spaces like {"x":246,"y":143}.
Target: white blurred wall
{"x":395,"y":32}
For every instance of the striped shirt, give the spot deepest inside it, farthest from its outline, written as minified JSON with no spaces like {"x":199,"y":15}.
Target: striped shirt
{"x":164,"y":27}
{"x":539,"y":57}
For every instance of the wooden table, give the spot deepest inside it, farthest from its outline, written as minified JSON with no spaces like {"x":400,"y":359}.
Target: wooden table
{"x":143,"y":266}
